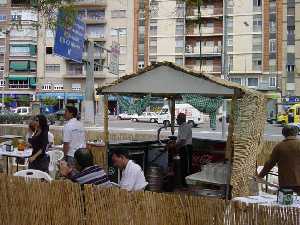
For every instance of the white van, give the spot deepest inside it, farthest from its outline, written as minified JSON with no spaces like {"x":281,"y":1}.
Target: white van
{"x":23,"y":111}
{"x":193,"y":115}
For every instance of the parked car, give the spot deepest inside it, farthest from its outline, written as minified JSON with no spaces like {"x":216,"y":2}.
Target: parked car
{"x":23,"y":111}
{"x":125,"y":116}
{"x":151,"y":117}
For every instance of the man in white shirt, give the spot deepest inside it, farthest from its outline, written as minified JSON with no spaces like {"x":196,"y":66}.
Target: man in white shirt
{"x":73,"y":134}
{"x":133,"y":178}
{"x":184,"y":146}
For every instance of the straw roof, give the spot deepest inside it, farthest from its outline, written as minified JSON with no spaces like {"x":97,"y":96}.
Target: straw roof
{"x":180,"y":81}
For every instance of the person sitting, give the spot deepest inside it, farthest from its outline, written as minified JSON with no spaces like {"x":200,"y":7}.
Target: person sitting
{"x":133,"y":178}
{"x":86,"y":172}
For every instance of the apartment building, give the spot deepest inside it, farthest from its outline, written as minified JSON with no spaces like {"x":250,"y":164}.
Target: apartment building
{"x":203,"y":47}
{"x":291,"y":51}
{"x":254,"y":46}
{"x":106,"y":21}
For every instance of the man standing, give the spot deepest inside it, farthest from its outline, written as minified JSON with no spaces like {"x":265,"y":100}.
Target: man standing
{"x":287,"y":155}
{"x":73,"y":134}
{"x":133,"y":178}
{"x":184,"y":145}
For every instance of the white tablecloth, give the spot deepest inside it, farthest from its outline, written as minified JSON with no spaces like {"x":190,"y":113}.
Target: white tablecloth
{"x":266,"y":199}
{"x":21,"y":154}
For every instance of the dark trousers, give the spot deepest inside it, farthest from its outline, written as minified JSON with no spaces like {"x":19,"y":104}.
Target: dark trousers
{"x":41,"y":163}
{"x":185,"y":154}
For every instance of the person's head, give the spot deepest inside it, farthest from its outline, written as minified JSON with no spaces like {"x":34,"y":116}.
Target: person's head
{"x":289,"y":131}
{"x":70,"y":112}
{"x":42,"y":123}
{"x":120,"y":158}
{"x":32,"y":126}
{"x":83,"y":159}
{"x":181,"y":118}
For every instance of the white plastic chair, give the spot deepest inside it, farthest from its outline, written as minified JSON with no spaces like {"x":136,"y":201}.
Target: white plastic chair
{"x":272,"y":179}
{"x":33,"y":174}
{"x":55,"y":156}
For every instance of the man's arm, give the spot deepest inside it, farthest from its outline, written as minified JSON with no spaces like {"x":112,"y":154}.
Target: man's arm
{"x":66,"y":140}
{"x":270,"y":163}
{"x":129,"y":180}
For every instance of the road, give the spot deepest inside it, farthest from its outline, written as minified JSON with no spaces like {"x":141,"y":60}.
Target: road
{"x":272,"y":132}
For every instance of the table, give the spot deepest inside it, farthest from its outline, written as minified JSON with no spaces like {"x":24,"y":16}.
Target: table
{"x":10,"y":137}
{"x":266,"y":199}
{"x":15,"y":154}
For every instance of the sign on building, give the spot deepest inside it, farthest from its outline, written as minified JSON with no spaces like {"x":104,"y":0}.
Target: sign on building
{"x":114,"y":58}
{"x":69,"y":42}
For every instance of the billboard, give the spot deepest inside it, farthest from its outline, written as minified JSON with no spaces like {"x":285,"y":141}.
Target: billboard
{"x":69,"y":42}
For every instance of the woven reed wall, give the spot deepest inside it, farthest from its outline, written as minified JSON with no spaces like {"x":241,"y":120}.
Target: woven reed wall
{"x":64,"y":203}
{"x":245,"y":138}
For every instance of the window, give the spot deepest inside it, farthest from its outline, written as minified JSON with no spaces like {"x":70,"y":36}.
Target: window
{"x":230,"y":43}
{"x":230,"y":61}
{"x":272,"y":26}
{"x":257,"y":5}
{"x":272,"y":45}
{"x":49,"y":50}
{"x":122,"y":31}
{"x":256,"y":62}
{"x":272,"y":6}
{"x":230,"y":6}
{"x":180,"y":11}
{"x":237,"y":80}
{"x":2,"y":83}
{"x":230,"y":24}
{"x":2,"y":18}
{"x":3,"y":2}
{"x":46,"y":87}
{"x":257,"y":43}
{"x":179,"y":29}
{"x":272,"y":82}
{"x":252,"y":82}
{"x":76,"y":87}
{"x":49,"y":33}
{"x":118,"y":13}
{"x":179,"y":60}
{"x":153,"y":30}
{"x":122,"y":68}
{"x":290,"y":68}
{"x":58,"y":87}
{"x":179,"y":45}
{"x":291,"y":11}
{"x":19,"y":84}
{"x":154,"y":9}
{"x":52,"y":68}
{"x":141,"y":49}
{"x":2,"y":49}
{"x":123,"y":50}
{"x":257,"y":23}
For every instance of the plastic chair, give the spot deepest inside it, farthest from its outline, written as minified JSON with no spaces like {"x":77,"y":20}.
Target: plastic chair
{"x":33,"y":174}
{"x":55,"y":156}
{"x":271,"y":178}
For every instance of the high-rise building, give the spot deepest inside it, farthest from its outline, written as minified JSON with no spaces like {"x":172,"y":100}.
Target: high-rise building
{"x":291,"y":52}
{"x":204,"y":43}
{"x":106,"y":21}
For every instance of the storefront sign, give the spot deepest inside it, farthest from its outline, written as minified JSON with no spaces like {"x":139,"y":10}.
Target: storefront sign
{"x":291,"y":99}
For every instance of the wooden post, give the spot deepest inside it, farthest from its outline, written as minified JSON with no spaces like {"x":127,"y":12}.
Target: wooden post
{"x":105,"y":118}
{"x":172,"y":110}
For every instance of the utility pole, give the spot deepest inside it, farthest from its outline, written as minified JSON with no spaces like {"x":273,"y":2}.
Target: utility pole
{"x":88,"y":103}
{"x":224,"y":62}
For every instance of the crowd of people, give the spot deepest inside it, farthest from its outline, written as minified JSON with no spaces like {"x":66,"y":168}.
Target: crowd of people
{"x":78,"y":164}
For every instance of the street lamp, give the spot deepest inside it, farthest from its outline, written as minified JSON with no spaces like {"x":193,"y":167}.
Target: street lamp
{"x":6,"y":32}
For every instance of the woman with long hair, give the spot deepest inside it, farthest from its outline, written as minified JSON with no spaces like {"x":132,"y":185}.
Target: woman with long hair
{"x":39,"y":160}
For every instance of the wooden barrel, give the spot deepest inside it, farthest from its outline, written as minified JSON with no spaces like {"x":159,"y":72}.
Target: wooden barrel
{"x":154,"y":178}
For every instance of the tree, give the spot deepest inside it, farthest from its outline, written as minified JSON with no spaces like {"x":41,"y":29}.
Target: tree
{"x":50,"y":101}
{"x":24,"y":101}
{"x":8,"y":100}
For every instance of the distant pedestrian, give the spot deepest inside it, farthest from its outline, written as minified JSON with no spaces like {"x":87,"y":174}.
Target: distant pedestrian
{"x":73,"y":134}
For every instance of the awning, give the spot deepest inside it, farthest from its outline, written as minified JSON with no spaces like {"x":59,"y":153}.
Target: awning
{"x":32,"y":81}
{"x":19,"y":65}
{"x":16,"y":77}
{"x":61,"y":95}
{"x":32,"y":65}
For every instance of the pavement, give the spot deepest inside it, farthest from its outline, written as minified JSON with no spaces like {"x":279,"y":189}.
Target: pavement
{"x":272,"y":132}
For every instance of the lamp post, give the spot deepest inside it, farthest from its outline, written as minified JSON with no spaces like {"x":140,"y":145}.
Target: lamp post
{"x":6,"y":32}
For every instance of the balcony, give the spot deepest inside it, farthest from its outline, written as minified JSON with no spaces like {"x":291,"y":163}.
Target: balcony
{"x":82,"y":74}
{"x":97,"y":55}
{"x":207,"y":51}
{"x":265,"y":87}
{"x":96,"y":36}
{"x":93,"y":19}
{"x":206,"y":12}
{"x":23,"y":38}
{"x":90,"y":3}
{"x":205,"y":68}
{"x":205,"y":31}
